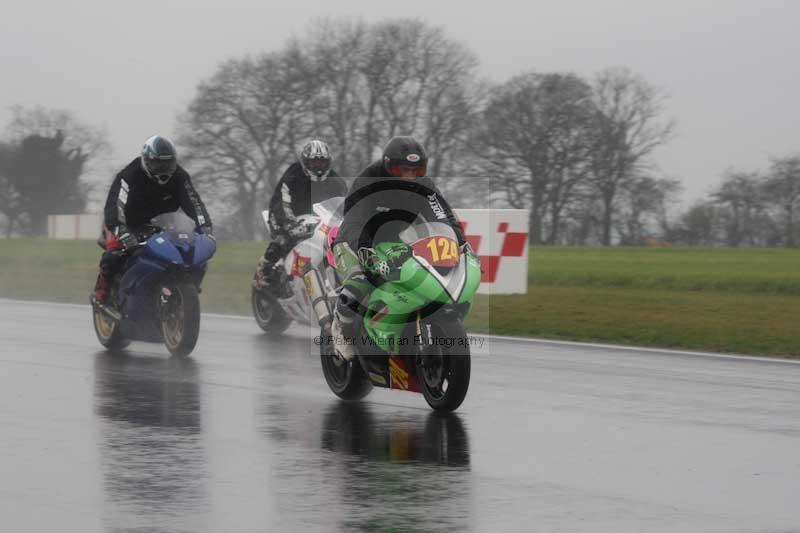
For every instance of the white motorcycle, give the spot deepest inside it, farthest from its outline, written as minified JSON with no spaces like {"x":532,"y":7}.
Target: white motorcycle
{"x":307,"y":271}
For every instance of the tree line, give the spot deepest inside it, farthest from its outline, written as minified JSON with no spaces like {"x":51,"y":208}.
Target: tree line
{"x":42,"y":161}
{"x":575,"y":151}
{"x":752,"y":209}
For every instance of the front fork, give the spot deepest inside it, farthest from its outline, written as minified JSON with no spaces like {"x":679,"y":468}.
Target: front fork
{"x":431,"y":363}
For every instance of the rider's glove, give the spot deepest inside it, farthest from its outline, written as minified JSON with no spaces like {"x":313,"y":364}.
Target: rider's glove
{"x":366,"y":255}
{"x":373,"y":264}
{"x":127,"y":239}
{"x":303,"y":227}
{"x":384,"y":267}
{"x":296,"y":230}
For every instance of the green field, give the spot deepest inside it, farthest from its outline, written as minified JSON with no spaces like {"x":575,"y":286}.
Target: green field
{"x":726,"y":300}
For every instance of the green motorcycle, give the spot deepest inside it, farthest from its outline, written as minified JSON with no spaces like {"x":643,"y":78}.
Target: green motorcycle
{"x":412,"y":334}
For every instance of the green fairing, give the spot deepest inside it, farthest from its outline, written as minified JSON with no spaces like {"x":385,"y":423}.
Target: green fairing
{"x":473,"y":280}
{"x":414,"y":289}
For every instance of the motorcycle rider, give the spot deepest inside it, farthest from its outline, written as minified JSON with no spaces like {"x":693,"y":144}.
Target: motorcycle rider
{"x":152,"y":184}
{"x":307,"y":181}
{"x":388,"y":196}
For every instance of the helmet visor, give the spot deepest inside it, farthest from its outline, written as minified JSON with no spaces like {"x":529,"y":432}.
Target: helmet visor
{"x":404,"y":170}
{"x":161,"y":169}
{"x":318,"y":166}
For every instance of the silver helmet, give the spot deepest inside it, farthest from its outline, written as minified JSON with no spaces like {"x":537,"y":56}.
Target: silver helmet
{"x":159,"y":159}
{"x":315,"y":158}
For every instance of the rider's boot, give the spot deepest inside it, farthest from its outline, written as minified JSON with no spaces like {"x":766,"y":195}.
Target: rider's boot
{"x":270,"y":277}
{"x":259,"y":280}
{"x":283,"y":281}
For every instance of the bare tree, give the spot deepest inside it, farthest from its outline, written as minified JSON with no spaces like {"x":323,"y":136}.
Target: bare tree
{"x":643,"y":206}
{"x":11,"y":201}
{"x":42,"y":166}
{"x":399,"y":77}
{"x":741,"y":193}
{"x":699,"y":225}
{"x":242,"y":129}
{"x":334,"y":61}
{"x":535,"y":132}
{"x":352,"y":84}
{"x":581,"y":220}
{"x":782,"y":188}
{"x":78,"y":136}
{"x":627,"y":127}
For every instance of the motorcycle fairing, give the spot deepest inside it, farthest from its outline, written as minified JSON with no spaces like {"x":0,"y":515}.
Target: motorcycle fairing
{"x":164,"y":254}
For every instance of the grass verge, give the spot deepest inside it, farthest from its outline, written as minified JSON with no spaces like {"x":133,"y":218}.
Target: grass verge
{"x":741,"y":301}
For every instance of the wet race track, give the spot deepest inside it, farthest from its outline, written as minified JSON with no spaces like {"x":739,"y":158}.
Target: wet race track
{"x":246,"y":436}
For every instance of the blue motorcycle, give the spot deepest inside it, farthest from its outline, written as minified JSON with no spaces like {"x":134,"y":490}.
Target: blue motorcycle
{"x":155,"y":299}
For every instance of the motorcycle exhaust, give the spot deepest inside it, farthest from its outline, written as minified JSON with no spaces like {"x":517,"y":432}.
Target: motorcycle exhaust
{"x":317,"y":296}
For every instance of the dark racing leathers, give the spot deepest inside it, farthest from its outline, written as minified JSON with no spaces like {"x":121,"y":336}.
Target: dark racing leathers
{"x":294,"y":195}
{"x":133,"y":200}
{"x":377,"y":209}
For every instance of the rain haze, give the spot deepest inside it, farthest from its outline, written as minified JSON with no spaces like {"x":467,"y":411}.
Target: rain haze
{"x":729,"y":67}
{"x":627,"y":359}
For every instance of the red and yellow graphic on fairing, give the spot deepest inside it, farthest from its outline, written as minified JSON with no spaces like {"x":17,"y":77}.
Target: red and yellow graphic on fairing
{"x":399,"y":376}
{"x":300,"y":264}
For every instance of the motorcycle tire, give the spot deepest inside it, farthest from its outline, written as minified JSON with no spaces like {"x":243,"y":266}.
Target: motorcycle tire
{"x":107,"y":331}
{"x":444,"y":371}
{"x":346,"y":380}
{"x":180,"y":320}
{"x":268,"y":313}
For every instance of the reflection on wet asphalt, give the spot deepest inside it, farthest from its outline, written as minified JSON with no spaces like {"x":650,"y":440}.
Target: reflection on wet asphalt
{"x":245,"y":436}
{"x":150,"y":446}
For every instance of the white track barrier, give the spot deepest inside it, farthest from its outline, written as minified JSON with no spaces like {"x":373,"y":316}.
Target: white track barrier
{"x":500,"y":238}
{"x":84,"y":226}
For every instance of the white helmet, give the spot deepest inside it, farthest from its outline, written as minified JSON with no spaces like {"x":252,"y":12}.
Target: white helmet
{"x":315,"y":158}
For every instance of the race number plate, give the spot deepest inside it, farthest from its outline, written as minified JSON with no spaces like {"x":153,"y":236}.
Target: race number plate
{"x":437,"y":250}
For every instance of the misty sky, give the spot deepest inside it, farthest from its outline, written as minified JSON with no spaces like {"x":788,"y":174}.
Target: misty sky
{"x":730,"y":67}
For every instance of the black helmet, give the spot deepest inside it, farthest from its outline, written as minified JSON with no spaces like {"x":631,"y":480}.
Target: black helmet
{"x":402,"y":153}
{"x":159,"y":159}
{"x":315,"y":158}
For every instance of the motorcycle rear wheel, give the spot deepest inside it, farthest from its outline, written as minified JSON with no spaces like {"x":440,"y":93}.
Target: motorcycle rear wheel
{"x":180,"y":319}
{"x":107,"y":331}
{"x":268,"y":313}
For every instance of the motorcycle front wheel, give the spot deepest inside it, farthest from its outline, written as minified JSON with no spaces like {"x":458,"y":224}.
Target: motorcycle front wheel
{"x":444,"y":366}
{"x":347,"y":380}
{"x":180,"y":319}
